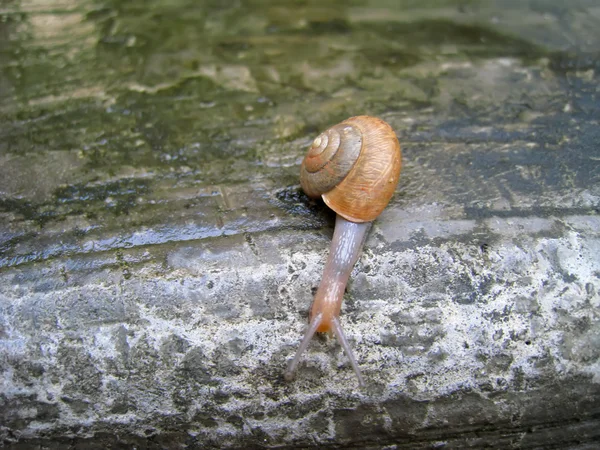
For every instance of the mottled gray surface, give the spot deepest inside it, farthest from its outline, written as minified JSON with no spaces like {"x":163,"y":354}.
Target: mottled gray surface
{"x":158,"y":260}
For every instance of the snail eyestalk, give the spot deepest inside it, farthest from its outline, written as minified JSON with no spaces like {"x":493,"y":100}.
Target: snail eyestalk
{"x":339,"y":332}
{"x":348,"y":240}
{"x":312,"y":328}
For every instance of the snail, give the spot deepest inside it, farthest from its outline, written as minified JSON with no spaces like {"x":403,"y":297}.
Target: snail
{"x":354,"y":166}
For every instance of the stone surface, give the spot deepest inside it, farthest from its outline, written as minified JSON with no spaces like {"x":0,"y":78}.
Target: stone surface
{"x":158,"y":259}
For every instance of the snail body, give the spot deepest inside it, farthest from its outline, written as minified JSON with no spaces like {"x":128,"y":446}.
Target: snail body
{"x":355,"y":167}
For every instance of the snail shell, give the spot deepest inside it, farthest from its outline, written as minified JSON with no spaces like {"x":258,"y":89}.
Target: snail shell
{"x":355,"y":166}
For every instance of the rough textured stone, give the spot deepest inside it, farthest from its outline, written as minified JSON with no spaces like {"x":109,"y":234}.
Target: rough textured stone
{"x":158,"y":260}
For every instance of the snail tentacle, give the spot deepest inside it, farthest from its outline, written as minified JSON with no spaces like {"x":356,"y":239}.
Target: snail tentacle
{"x":339,"y":332}
{"x":312,"y":328}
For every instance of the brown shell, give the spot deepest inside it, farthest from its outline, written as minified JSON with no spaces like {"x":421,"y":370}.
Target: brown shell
{"x":354,"y":166}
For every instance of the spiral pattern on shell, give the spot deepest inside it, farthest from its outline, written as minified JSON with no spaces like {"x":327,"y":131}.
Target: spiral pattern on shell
{"x":330,"y":158}
{"x":355,"y":166}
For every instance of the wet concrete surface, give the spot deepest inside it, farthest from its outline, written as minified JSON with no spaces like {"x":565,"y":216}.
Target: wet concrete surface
{"x":158,"y":259}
